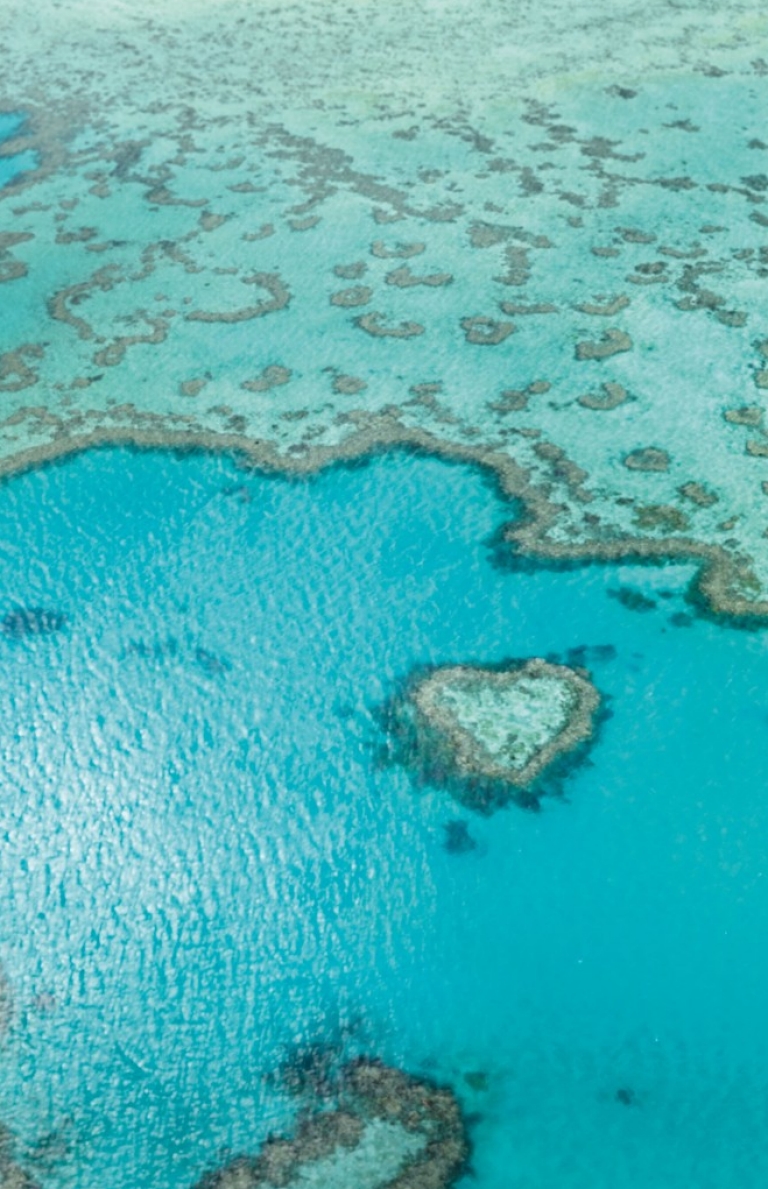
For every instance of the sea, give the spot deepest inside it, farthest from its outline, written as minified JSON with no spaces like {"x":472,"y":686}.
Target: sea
{"x":206,"y":862}
{"x":210,"y":860}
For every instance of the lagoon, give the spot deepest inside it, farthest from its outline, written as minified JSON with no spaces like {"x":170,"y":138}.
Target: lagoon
{"x":205,"y":861}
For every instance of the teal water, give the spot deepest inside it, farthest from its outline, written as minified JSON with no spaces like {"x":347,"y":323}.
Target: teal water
{"x":11,"y":125}
{"x":203,"y":862}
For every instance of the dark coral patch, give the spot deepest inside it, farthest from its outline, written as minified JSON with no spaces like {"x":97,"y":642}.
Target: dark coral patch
{"x":458,"y":840}
{"x":633,"y":600}
{"x":31,"y":621}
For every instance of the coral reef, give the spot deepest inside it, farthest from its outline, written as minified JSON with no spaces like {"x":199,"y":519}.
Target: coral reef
{"x":132,"y":254}
{"x":490,"y":734}
{"x":486,"y":332}
{"x":648,"y":458}
{"x":388,"y":1131}
{"x":611,"y":395}
{"x":613,"y":342}
{"x":374,"y":324}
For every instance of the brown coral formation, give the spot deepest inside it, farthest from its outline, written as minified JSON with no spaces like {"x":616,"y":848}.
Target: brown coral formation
{"x":468,"y":755}
{"x":357,"y":295}
{"x":610,"y":396}
{"x":114,"y":353}
{"x":12,"y":270}
{"x":59,"y":304}
{"x":279,"y":297}
{"x":405,"y":279}
{"x":401,"y":251}
{"x":662,"y":517}
{"x":351,"y":272}
{"x":272,"y":376}
{"x":604,"y":309}
{"x":15,"y":373}
{"x":516,"y":308}
{"x":611,"y":343}
{"x":193,"y":387}
{"x":647,"y":458}
{"x":486,"y":332}
{"x":345,"y":385}
{"x":375,"y":325}
{"x":698,"y":494}
{"x":751,"y":415}
{"x":368,"y":1091}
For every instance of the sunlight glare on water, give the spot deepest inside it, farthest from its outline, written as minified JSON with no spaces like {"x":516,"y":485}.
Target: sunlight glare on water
{"x":204,"y":861}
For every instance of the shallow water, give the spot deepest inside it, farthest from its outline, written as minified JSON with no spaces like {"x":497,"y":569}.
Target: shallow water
{"x":10,"y":167}
{"x":203,"y":861}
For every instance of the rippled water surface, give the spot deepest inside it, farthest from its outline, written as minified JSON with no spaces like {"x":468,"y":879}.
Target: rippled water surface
{"x":204,"y":862}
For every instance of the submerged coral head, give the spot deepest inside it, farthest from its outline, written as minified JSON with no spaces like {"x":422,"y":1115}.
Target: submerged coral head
{"x":31,"y":621}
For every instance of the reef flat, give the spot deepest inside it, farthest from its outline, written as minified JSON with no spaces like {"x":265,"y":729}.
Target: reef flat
{"x":534,"y":241}
{"x":492,"y":732}
{"x":392,"y":1132}
{"x":509,"y":725}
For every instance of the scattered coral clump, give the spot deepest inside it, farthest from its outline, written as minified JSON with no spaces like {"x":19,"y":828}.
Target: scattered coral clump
{"x":31,"y":621}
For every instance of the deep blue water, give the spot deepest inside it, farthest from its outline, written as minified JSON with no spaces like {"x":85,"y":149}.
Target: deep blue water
{"x":202,"y":861}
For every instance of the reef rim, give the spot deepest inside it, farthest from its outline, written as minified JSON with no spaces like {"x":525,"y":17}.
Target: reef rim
{"x":716,"y":588}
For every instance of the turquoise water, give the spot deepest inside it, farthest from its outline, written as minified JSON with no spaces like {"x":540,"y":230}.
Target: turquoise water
{"x":204,"y":862}
{"x":11,"y":125}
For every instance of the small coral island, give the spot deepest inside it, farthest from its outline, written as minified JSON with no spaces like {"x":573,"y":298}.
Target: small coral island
{"x":388,"y":1131}
{"x":488,"y":734}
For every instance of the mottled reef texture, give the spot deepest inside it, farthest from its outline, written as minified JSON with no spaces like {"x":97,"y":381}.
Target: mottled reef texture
{"x":307,"y":233}
{"x":12,"y":1174}
{"x":490,"y":734}
{"x":537,"y":712}
{"x":401,"y":1112}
